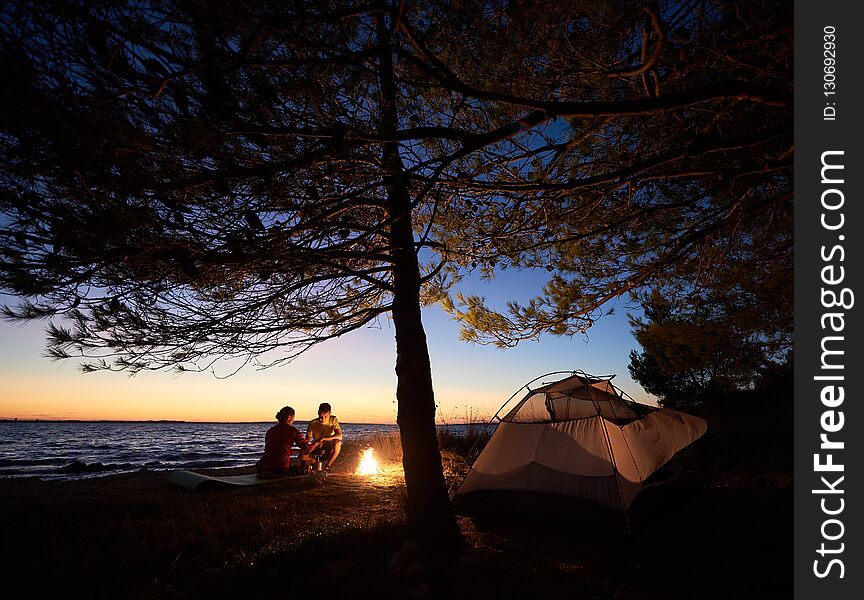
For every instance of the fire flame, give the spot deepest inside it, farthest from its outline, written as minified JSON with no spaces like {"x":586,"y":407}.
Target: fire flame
{"x":368,"y":465}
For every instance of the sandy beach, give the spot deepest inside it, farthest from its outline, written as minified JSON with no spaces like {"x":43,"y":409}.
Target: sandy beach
{"x":726,"y":532}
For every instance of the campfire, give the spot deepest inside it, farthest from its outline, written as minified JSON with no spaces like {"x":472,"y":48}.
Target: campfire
{"x":368,"y":465}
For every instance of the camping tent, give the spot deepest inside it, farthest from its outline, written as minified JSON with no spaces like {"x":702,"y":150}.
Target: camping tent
{"x":580,"y":436}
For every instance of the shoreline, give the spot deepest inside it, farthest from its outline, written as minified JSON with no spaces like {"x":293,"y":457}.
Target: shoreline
{"x":134,"y":535}
{"x":169,"y":421}
{"x":727,"y":532}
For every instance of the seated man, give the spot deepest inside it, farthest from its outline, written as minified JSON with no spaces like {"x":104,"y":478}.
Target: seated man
{"x":278,"y":442}
{"x":326,"y":432}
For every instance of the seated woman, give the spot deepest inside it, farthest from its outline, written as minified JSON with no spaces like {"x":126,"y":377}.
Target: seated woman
{"x":278,"y":442}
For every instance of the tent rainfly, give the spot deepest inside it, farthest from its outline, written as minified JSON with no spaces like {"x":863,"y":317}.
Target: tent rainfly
{"x":582,"y":437}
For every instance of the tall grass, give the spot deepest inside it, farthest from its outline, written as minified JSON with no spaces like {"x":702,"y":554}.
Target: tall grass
{"x":387,"y":446}
{"x":462,"y":435}
{"x":471,"y":436}
{"x":460,"y":439}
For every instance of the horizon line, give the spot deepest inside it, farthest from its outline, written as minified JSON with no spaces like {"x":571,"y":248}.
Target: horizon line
{"x":60,"y":420}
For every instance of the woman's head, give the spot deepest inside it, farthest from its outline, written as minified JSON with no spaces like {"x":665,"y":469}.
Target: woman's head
{"x":285,"y":414}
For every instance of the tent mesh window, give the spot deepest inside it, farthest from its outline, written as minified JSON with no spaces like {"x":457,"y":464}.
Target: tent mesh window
{"x":576,"y":397}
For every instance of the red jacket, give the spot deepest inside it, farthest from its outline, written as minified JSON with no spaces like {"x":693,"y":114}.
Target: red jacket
{"x":277,"y":448}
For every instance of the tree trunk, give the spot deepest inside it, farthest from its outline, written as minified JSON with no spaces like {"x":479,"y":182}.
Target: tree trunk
{"x":430,"y":516}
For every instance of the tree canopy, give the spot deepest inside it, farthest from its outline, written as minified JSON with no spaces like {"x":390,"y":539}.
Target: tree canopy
{"x":186,"y":180}
{"x":676,"y":175}
{"x":697,"y":354}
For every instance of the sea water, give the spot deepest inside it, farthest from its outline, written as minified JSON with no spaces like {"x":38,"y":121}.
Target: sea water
{"x":78,"y":450}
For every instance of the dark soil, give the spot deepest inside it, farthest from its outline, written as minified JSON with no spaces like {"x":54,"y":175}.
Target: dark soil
{"x":726,"y":532}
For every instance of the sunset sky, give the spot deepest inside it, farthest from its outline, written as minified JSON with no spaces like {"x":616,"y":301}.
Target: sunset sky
{"x":355,"y":373}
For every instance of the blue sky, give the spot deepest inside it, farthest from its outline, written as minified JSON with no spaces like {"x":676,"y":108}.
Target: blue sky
{"x":354,"y":373}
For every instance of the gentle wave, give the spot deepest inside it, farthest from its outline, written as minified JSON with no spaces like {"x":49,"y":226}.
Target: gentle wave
{"x":79,"y":450}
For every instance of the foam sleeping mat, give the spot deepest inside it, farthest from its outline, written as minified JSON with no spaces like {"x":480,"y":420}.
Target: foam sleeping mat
{"x":194,"y":481}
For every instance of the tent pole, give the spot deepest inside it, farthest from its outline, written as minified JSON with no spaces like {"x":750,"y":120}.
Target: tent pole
{"x":611,"y":458}
{"x":617,"y":478}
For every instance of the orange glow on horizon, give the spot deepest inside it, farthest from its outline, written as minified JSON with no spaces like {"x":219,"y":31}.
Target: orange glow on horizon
{"x":355,"y":376}
{"x":111,"y":397}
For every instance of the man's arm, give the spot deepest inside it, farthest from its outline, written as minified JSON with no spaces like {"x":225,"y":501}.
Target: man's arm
{"x":337,"y":430}
{"x":305,"y":446}
{"x":337,"y":434}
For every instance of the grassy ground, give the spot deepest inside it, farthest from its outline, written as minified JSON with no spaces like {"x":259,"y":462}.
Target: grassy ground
{"x":725,"y":533}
